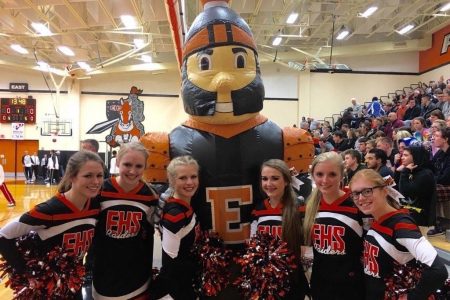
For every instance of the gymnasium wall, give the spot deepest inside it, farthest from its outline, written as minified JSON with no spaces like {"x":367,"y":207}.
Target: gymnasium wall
{"x":289,"y":95}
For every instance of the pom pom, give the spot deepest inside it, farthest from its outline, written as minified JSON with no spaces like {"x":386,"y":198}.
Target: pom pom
{"x":266,"y":267}
{"x":403,"y":278}
{"x":213,"y":275}
{"x":56,"y":274}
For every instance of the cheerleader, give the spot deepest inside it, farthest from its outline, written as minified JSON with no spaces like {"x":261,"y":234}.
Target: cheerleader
{"x":9,"y":197}
{"x":333,"y":226}
{"x":123,"y":243}
{"x":67,"y":219}
{"x":178,"y":231}
{"x":393,"y":237}
{"x":279,"y":216}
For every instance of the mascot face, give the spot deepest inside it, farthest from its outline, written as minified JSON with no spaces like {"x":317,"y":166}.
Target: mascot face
{"x":222,"y":85}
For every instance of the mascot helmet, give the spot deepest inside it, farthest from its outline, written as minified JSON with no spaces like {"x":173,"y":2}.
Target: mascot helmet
{"x":217,"y":25}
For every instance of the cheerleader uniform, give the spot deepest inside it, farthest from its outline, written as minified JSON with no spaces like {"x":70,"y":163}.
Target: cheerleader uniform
{"x":269,"y":219}
{"x":178,"y":231}
{"x":57,"y":222}
{"x":336,"y":235}
{"x":123,"y":244}
{"x":395,"y":237}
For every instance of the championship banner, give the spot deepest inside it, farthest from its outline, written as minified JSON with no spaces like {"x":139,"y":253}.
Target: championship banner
{"x":18,"y":131}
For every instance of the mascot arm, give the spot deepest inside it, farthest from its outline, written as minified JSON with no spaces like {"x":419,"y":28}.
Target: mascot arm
{"x":298,"y":148}
{"x":157,"y":144}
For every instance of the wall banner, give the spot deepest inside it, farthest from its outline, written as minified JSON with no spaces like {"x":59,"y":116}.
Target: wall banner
{"x":18,"y":131}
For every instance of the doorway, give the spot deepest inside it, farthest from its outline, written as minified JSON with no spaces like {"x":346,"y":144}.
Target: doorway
{"x":11,"y":152}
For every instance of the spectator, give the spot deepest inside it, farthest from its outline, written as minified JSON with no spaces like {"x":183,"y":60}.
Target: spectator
{"x":327,"y":135}
{"x":436,"y":115}
{"x":447,"y":121}
{"x":325,"y":145}
{"x":401,"y":109}
{"x":53,"y":168}
{"x":8,"y":196}
{"x":439,"y":95}
{"x":375,"y":109}
{"x":441,"y":160}
{"x":113,"y":169}
{"x":393,"y":122}
{"x":419,"y":131}
{"x":27,"y":165}
{"x":35,"y":167}
{"x":92,"y":145}
{"x":357,"y":109}
{"x":44,"y":162}
{"x":352,"y":164}
{"x":362,"y":148}
{"x":376,"y":160}
{"x":427,"y":106}
{"x":351,"y":137}
{"x":418,"y":185}
{"x":370,"y":144}
{"x":387,"y":145}
{"x":340,"y":143}
{"x":446,"y":105}
{"x":412,"y":111}
{"x":388,"y":107}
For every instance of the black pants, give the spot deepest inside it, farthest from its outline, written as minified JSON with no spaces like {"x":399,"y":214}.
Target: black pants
{"x":28,"y":173}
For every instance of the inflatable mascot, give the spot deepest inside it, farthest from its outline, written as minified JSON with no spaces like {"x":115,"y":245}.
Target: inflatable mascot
{"x":223,"y":93}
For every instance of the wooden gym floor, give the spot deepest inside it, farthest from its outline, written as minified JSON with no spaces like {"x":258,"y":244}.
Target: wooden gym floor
{"x":28,"y":195}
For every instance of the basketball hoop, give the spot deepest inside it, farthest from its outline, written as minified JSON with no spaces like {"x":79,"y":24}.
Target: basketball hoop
{"x":54,"y":134}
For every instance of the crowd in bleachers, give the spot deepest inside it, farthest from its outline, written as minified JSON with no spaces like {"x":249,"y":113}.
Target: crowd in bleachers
{"x":407,"y":138}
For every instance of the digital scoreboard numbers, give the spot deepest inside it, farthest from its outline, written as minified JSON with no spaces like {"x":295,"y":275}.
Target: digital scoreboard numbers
{"x":18,"y":110}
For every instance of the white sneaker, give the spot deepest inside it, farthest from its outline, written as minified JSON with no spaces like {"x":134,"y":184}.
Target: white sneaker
{"x":11,"y":205}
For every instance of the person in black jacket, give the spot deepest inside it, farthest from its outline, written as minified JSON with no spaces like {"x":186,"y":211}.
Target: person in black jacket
{"x":412,"y":111}
{"x":441,"y":160}
{"x":418,"y":185}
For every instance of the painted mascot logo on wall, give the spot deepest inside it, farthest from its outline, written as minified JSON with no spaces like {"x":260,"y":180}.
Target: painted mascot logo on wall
{"x":125,"y":117}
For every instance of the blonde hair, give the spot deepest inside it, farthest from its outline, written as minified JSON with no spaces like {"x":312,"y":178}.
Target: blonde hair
{"x":375,"y":178}
{"x":132,"y":146}
{"x":313,"y":201}
{"x":179,"y":161}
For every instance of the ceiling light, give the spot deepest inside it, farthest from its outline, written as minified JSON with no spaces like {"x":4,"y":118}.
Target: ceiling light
{"x":84,"y":66}
{"x":43,"y":65}
{"x":343,"y":33}
{"x":19,"y":48}
{"x":128,"y":21}
{"x":406,"y":29}
{"x":277,"y":41}
{"x":41,"y":29}
{"x":445,"y":7}
{"x":369,"y":11}
{"x":147,"y":58}
{"x":66,"y":50}
{"x":292,"y":18}
{"x":139,"y":43}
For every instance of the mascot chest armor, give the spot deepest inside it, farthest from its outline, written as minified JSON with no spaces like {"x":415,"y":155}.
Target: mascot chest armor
{"x":223,"y":93}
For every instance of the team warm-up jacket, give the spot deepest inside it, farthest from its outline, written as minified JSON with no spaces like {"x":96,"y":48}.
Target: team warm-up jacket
{"x":269,"y":219}
{"x":337,"y":242}
{"x":57,"y":222}
{"x":123,"y":244}
{"x":178,"y":227}
{"x":395,"y":237}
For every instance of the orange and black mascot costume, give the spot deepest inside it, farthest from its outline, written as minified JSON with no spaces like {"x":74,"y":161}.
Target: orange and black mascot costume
{"x":223,"y":93}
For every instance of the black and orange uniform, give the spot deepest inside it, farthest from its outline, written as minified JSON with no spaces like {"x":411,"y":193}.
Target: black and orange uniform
{"x":57,"y":222}
{"x":269,"y":219}
{"x":123,"y":244}
{"x":178,"y":232}
{"x":395,"y":237}
{"x":337,"y":240}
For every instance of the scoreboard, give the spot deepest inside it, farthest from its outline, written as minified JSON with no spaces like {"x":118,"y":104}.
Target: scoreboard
{"x":18,"y":110}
